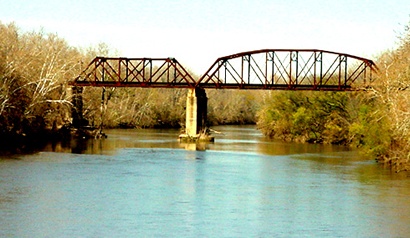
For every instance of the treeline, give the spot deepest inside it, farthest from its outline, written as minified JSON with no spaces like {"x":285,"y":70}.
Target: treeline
{"x":164,"y":108}
{"x":35,"y":69}
{"x":376,"y":120}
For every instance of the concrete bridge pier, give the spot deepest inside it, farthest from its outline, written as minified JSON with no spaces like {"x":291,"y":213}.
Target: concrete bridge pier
{"x":196,"y":116}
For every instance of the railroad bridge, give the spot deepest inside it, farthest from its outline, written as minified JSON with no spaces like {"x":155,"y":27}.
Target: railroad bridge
{"x":266,"y":69}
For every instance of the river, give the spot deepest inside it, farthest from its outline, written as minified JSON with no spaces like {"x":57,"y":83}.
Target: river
{"x":144,"y":183}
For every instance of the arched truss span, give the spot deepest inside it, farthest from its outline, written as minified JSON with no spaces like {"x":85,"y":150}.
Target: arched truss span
{"x":289,"y":69}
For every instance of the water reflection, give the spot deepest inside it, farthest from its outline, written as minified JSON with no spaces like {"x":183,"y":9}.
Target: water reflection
{"x":144,"y":183}
{"x":234,"y":138}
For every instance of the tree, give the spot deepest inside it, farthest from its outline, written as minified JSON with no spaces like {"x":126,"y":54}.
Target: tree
{"x":392,"y":96}
{"x":34,"y":71}
{"x":306,"y":116}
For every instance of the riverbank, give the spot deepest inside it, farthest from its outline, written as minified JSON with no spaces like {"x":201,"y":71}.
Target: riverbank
{"x":69,"y":137}
{"x":242,"y":185}
{"x":22,"y":143}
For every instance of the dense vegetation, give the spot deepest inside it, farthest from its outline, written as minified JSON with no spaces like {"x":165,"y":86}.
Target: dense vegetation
{"x":147,"y":108}
{"x":317,"y":117}
{"x":34,"y":101}
{"x":378,"y":120}
{"x":36,"y":67}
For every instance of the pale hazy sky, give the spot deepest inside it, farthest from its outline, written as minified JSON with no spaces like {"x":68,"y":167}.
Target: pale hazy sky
{"x":197,"y":32}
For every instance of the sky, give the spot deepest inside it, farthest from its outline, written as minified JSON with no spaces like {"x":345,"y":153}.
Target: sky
{"x":197,"y":32}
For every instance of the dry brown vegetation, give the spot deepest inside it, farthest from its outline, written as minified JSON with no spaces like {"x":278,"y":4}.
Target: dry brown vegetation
{"x":393,"y":99}
{"x":35,"y":69}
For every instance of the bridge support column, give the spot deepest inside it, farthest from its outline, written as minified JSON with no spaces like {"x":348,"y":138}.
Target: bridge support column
{"x":77,"y":108}
{"x":196,"y":115}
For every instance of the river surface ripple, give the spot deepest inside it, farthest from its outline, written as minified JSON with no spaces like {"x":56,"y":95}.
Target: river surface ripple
{"x":143,"y":183}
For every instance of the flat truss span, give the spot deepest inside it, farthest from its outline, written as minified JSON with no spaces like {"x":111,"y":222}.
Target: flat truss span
{"x":135,"y":72}
{"x":289,"y":69}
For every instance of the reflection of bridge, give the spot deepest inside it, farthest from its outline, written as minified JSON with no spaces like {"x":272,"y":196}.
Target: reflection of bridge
{"x":272,"y":69}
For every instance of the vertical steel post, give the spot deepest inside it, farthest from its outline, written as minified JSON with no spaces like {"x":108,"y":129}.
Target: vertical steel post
{"x":175,"y":71}
{"x":127,"y":69}
{"x":273,"y":67}
{"x":249,"y":69}
{"x":314,"y":71}
{"x":345,"y":59}
{"x":297,"y":67}
{"x":321,"y":68}
{"x":150,"y":71}
{"x":266,"y":69}
{"x":119,"y":70}
{"x":340,"y":72}
{"x":242,"y":64}
{"x":225,"y":72}
{"x":290,"y":70}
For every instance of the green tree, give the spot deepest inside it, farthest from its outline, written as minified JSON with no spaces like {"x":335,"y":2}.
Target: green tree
{"x":319,"y":117}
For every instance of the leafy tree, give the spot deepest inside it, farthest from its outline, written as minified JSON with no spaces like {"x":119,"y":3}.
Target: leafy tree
{"x":306,"y":117}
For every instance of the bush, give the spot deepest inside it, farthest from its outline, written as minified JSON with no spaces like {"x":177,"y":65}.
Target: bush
{"x":319,"y":117}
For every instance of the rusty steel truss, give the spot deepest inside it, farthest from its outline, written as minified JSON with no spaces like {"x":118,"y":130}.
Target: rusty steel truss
{"x":282,"y":69}
{"x":289,"y":70}
{"x":135,"y":72}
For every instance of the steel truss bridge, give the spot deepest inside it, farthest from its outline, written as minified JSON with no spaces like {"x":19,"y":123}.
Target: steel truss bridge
{"x":272,"y":69}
